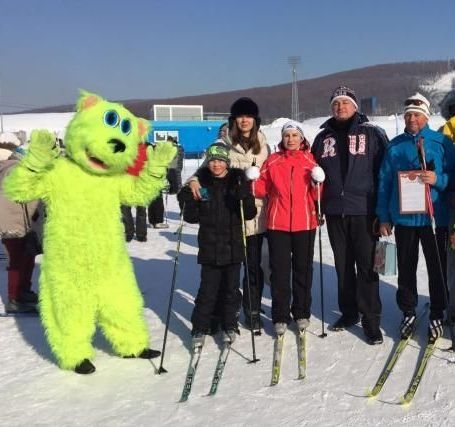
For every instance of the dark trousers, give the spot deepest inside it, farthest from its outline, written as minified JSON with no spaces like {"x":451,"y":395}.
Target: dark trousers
{"x":20,"y":268}
{"x":255,"y":274}
{"x":407,"y":240}
{"x":156,"y":211}
{"x":353,"y":246}
{"x":218,"y":284}
{"x":128,"y":221}
{"x":291,"y":252}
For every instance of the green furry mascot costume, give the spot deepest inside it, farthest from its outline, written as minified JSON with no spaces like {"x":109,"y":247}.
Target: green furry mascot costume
{"x":87,"y":277}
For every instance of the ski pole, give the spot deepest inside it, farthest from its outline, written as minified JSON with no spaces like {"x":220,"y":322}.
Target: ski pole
{"x":242,"y":217}
{"x":161,"y":369}
{"x":321,"y":276}
{"x":445,"y":293}
{"x":165,"y":206}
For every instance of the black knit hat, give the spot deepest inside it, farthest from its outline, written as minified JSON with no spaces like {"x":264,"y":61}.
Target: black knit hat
{"x":344,"y":92}
{"x":244,"y":107}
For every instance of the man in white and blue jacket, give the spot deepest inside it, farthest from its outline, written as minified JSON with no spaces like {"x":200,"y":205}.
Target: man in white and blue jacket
{"x":436,"y":161}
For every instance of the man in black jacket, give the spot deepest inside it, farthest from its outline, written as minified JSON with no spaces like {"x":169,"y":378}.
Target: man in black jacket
{"x":350,"y":151}
{"x":221,"y":252}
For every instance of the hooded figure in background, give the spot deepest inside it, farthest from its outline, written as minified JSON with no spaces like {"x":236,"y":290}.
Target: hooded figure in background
{"x":17,"y":220}
{"x":87,"y":278}
{"x":448,"y":112}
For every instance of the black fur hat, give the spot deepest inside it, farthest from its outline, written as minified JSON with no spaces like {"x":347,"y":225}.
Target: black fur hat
{"x":244,"y":107}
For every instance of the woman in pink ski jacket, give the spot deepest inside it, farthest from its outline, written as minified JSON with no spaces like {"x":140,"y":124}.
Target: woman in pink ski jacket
{"x":286,"y":181}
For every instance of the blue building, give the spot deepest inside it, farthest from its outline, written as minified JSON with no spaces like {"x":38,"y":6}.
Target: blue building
{"x":194,"y":136}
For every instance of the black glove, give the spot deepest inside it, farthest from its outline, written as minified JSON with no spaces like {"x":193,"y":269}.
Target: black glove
{"x":242,"y":191}
{"x":184,"y":195}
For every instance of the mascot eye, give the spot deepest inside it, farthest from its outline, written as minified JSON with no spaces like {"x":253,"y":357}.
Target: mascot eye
{"x":125,"y":126}
{"x":111,"y":118}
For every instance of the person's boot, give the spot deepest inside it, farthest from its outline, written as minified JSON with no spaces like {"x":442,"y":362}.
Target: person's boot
{"x":253,"y":320}
{"x":302,"y":324}
{"x":344,"y":322}
{"x":435,"y":329}
{"x":280,"y":328}
{"x":229,"y":336}
{"x":16,"y":307}
{"x":407,"y":325}
{"x":85,"y":367}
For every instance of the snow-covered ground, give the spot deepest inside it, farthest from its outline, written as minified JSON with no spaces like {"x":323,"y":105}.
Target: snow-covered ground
{"x":341,"y":367}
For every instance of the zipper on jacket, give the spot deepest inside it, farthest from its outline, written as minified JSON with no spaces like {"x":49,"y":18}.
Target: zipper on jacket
{"x":290,"y":199}
{"x":342,"y":203}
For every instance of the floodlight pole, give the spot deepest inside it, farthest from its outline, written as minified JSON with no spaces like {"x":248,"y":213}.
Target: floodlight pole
{"x":293,"y":61}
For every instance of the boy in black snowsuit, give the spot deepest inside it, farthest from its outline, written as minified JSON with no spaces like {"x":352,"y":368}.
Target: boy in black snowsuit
{"x":220,"y":240}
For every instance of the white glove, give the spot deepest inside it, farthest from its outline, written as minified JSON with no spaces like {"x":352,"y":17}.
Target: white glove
{"x":317,"y":174}
{"x":252,"y":173}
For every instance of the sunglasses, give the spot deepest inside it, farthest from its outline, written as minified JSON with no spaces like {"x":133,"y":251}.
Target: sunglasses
{"x":416,"y":102}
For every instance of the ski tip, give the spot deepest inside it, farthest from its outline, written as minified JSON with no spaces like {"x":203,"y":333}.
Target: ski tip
{"x":405,"y":402}
{"x":371,"y":395}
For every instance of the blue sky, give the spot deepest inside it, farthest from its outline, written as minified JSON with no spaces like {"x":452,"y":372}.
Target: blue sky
{"x":166,"y":48}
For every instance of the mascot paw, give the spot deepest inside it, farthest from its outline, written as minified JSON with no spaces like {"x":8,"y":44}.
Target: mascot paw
{"x":85,"y":367}
{"x":159,"y":157}
{"x":42,"y":150}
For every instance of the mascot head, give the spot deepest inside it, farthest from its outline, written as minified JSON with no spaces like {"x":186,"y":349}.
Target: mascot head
{"x":103,"y":137}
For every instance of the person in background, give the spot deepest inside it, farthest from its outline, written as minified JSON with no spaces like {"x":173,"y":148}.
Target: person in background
{"x":448,"y":112}
{"x":174,"y":172}
{"x":448,"y":129}
{"x":350,"y":151}
{"x":156,"y":212}
{"x":13,"y":228}
{"x":247,"y":146}
{"x":220,"y":241}
{"x":140,"y":228}
{"x":286,"y":181}
{"x":223,"y":131}
{"x":417,"y":148}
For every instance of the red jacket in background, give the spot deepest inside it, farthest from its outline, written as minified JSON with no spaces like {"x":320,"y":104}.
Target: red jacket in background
{"x":286,"y":182}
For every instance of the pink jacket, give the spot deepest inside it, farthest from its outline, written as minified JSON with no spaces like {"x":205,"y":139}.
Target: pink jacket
{"x":285,"y":181}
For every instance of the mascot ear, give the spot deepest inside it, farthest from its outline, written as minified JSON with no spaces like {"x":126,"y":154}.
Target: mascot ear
{"x":87,"y":100}
{"x":143,"y":128}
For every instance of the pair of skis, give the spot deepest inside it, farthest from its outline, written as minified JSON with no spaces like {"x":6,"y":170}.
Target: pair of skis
{"x":192,"y":368}
{"x":278,"y":356}
{"x":395,"y":355}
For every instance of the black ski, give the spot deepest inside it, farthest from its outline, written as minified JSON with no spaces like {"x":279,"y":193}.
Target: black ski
{"x":222,"y":358}
{"x":191,"y":373}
